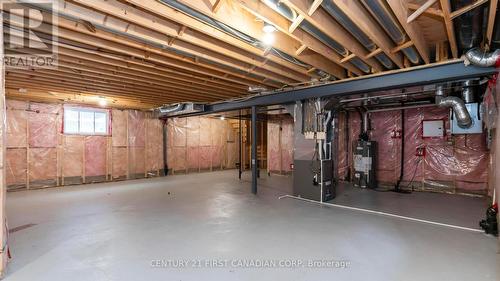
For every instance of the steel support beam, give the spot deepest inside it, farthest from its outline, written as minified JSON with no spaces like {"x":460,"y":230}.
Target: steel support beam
{"x":415,"y":76}
{"x":254,"y":150}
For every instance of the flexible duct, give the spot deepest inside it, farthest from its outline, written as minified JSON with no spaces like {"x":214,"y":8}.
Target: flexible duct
{"x":468,"y":91}
{"x":170,"y":109}
{"x":480,"y":58}
{"x":458,"y":106}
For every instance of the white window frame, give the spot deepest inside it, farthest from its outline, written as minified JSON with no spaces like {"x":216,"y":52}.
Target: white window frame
{"x":87,"y":109}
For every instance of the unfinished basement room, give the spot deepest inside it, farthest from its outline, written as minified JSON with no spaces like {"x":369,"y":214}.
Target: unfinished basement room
{"x":295,"y":140}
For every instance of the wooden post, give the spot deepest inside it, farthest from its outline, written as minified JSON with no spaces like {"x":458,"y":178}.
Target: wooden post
{"x":127,"y":153}
{"x":3,"y":183}
{"x":62,"y":157}
{"x":280,"y":144}
{"x":186,"y":149}
{"x":83,"y":160}
{"x":146,"y":146}
{"x":27,"y":150}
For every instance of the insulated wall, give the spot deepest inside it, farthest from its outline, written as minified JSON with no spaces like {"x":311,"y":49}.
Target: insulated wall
{"x":280,"y":144}
{"x":452,"y":163}
{"x":197,"y":144}
{"x":40,"y":155}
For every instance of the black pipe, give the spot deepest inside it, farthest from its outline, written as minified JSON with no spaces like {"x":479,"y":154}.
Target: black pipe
{"x":254,"y":149}
{"x":397,"y":188}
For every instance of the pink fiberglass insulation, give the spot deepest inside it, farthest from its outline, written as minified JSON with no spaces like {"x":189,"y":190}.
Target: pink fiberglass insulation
{"x":197,"y":143}
{"x":193,"y":154}
{"x":16,"y":127}
{"x":16,"y":166}
{"x":154,"y":154}
{"x":273,"y":145}
{"x":42,"y":164}
{"x":342,"y":157}
{"x":382,"y":126}
{"x":119,"y":127}
{"x":95,"y":155}
{"x":16,"y":104}
{"x":119,"y":162}
{"x":456,"y":162}
{"x":205,"y":137}
{"x":136,"y":128}
{"x":287,"y":137}
{"x":72,"y":161}
{"x":136,"y":160}
{"x":280,"y":144}
{"x":44,"y":125}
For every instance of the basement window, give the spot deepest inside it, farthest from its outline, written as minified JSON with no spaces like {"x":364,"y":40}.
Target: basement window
{"x":86,"y":121}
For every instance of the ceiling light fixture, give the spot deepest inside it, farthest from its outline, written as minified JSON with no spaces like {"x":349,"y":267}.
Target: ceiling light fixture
{"x":268,"y":28}
{"x":103,"y":102}
{"x":268,"y":39}
{"x":222,"y":118}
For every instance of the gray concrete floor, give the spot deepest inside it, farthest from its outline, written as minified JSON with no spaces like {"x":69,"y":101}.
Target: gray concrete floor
{"x":116,"y":231}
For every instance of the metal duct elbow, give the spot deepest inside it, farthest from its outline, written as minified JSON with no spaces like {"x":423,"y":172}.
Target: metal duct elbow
{"x":171,"y":108}
{"x":458,"y":106}
{"x":480,"y":58}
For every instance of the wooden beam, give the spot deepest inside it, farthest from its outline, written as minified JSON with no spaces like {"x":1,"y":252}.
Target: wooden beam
{"x":238,"y":18}
{"x":400,"y":10}
{"x":193,"y":33}
{"x":358,"y":14}
{"x":300,"y":50}
{"x":432,"y":12}
{"x":420,"y":10}
{"x":374,"y":53}
{"x":348,"y":58}
{"x":323,"y":21}
{"x":296,"y":22}
{"x":491,"y":21}
{"x":264,"y":12}
{"x":314,"y":5}
{"x":216,"y":6}
{"x":402,"y":46}
{"x":116,"y":43}
{"x":446,"y":8}
{"x":465,"y":9}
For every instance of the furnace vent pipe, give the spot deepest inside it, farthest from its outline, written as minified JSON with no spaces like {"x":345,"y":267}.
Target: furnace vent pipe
{"x":480,"y":58}
{"x":457,"y":104}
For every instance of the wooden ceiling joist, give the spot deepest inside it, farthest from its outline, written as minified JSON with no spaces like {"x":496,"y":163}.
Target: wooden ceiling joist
{"x":242,"y":21}
{"x":400,"y":10}
{"x":420,"y":10}
{"x":491,"y":21}
{"x":431,"y":11}
{"x":263,"y":12}
{"x":467,"y":8}
{"x":321,"y":20}
{"x":446,"y":8}
{"x":168,"y":20}
{"x":356,"y":12}
{"x":207,"y":49}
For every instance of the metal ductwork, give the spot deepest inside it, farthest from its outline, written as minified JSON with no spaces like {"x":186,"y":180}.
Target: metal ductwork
{"x":180,"y":109}
{"x":385,"y":18}
{"x":458,"y":106}
{"x":468,"y":91}
{"x":346,"y":22}
{"x":290,"y":14}
{"x":480,"y":58}
{"x":468,"y":26}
